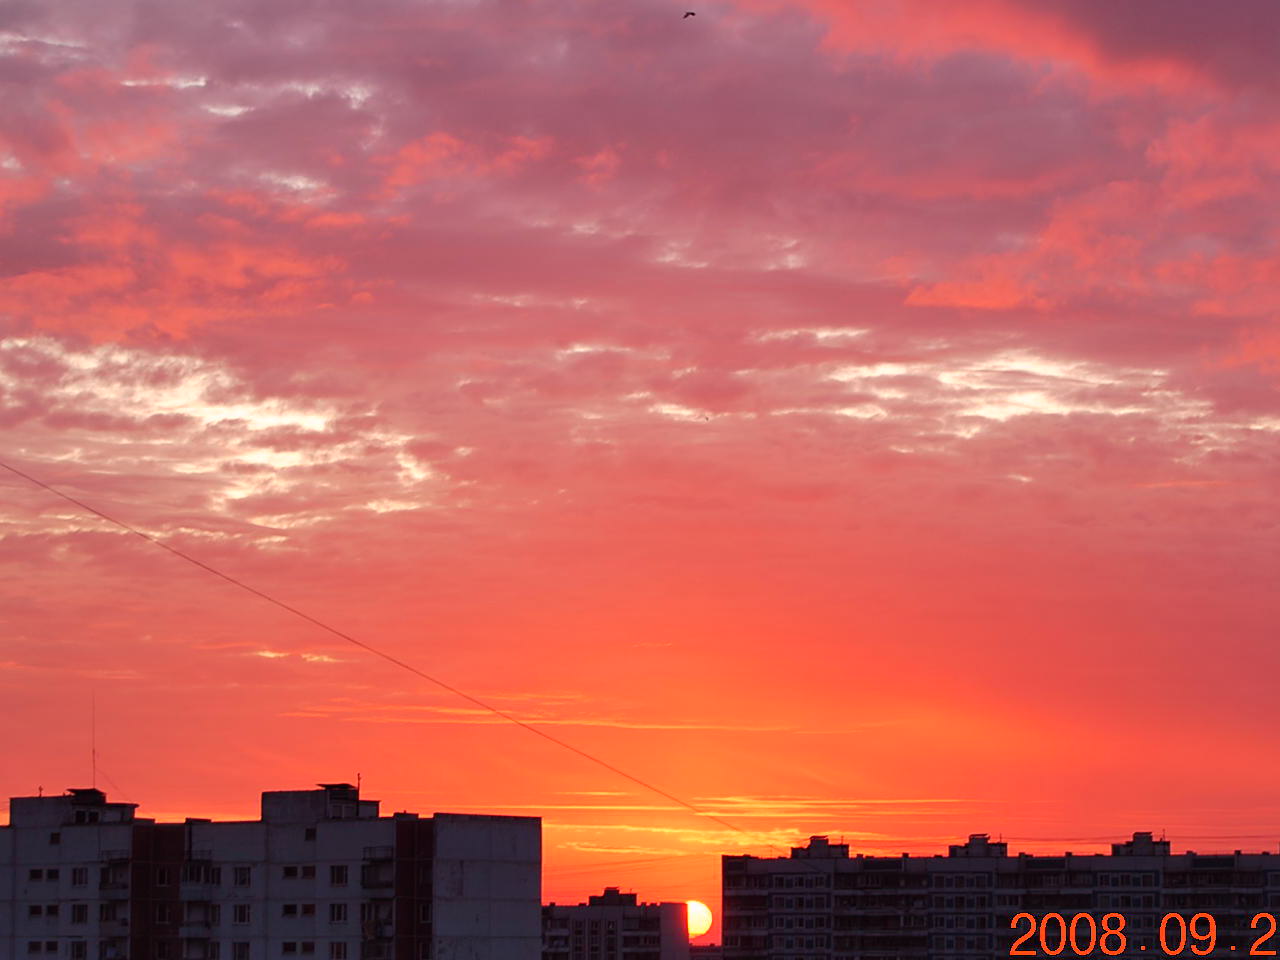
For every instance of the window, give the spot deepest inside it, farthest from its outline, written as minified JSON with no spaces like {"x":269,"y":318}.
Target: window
{"x":55,"y":838}
{"x":163,"y":913}
{"x":241,"y":877}
{"x":51,"y":946}
{"x":337,"y":951}
{"x":51,"y":910}
{"x":289,"y":946}
{"x":289,"y":910}
{"x":164,"y":950}
{"x":239,"y":951}
{"x":79,"y":876}
{"x":424,"y":913}
{"x":35,"y":910}
{"x":79,"y":913}
{"x":79,"y":950}
{"x":215,"y":914}
{"x":241,"y":913}
{"x":34,"y":946}
{"x":308,"y":909}
{"x":308,"y":946}
{"x":309,"y":833}
{"x":309,"y":872}
{"x":164,"y":876}
{"x":35,"y":874}
{"x":337,"y":875}
{"x":51,"y":874}
{"x":213,"y":951}
{"x":290,"y":873}
{"x":337,"y":913}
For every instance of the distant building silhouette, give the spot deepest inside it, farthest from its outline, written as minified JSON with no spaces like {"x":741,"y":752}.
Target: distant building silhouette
{"x":321,"y":875}
{"x":706,"y":951}
{"x":613,"y":926}
{"x":822,"y":903}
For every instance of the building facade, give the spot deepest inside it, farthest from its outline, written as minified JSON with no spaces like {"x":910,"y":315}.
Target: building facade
{"x":614,"y":926}
{"x":321,"y":876}
{"x":822,"y":904}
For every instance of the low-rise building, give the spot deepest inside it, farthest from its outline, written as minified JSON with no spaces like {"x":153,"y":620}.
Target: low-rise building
{"x":614,"y":926}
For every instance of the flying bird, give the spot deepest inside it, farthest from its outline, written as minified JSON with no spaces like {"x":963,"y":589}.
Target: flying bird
{"x":688,"y":15}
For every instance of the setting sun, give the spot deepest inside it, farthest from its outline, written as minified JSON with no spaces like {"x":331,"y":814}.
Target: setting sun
{"x":699,"y":918}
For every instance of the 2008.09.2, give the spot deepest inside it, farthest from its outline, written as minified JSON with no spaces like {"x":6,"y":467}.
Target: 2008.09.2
{"x":1084,"y":936}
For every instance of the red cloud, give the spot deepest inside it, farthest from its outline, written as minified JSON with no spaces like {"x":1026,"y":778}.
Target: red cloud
{"x":927,"y":343}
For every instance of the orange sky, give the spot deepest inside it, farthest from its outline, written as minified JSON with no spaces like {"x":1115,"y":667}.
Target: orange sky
{"x":852,"y":418}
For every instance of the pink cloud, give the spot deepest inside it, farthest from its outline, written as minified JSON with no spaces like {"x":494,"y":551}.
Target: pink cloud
{"x":929,"y":349}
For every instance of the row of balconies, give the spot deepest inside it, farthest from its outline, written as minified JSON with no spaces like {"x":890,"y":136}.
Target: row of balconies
{"x":868,"y":903}
{"x":369,"y":880}
{"x":199,"y":949}
{"x":195,"y":858}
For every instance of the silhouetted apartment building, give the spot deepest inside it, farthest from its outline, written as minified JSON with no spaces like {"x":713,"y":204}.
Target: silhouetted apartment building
{"x":321,"y":876}
{"x":613,"y":926}
{"x":822,"y":903}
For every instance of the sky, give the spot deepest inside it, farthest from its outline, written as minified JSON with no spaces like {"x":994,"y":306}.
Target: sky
{"x":853,"y":418}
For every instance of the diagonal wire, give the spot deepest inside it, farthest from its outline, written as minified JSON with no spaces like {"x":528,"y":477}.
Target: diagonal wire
{"x":379,"y":653}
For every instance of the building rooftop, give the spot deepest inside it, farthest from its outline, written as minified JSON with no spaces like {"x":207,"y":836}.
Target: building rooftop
{"x":980,"y":845}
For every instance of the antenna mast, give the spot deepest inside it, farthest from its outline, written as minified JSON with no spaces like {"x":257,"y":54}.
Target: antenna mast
{"x":93,"y":738}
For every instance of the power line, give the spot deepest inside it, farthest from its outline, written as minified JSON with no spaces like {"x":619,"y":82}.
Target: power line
{"x":466,"y":696}
{"x":111,"y":783}
{"x":379,"y":653}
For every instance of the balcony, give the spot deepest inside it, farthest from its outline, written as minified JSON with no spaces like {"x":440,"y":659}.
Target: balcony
{"x":376,"y":929}
{"x":372,"y":878}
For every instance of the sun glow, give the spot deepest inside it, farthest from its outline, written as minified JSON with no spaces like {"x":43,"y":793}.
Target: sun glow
{"x":699,"y":918}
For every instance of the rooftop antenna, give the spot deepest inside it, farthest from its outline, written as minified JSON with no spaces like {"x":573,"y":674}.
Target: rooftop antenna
{"x":93,"y":737}
{"x":357,"y":782}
